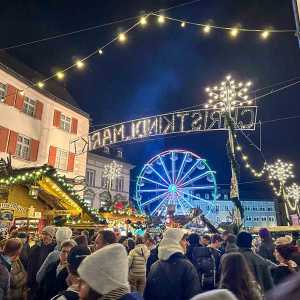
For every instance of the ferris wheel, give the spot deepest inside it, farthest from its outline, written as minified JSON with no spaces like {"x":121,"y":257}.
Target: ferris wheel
{"x":177,"y":181}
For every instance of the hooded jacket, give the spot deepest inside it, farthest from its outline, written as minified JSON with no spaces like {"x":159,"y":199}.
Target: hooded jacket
{"x":137,"y":259}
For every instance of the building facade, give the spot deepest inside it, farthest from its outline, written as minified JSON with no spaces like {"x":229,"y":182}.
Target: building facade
{"x":258,"y":212}
{"x":37,"y":125}
{"x":96,"y":194}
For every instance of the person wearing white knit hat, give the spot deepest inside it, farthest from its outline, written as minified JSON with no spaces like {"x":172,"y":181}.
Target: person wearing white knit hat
{"x":221,"y":294}
{"x":104,"y":275}
{"x":62,"y":234}
{"x":173,"y":276}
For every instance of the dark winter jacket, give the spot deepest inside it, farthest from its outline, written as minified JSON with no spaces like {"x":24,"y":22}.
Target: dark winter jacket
{"x":52,"y":282}
{"x":5,"y":268}
{"x":259,"y":267}
{"x":281,"y":273}
{"x":37,"y":255}
{"x":175,"y":278}
{"x":193,"y":240}
{"x":266,"y":250}
{"x":132,"y":296}
{"x":153,"y":257}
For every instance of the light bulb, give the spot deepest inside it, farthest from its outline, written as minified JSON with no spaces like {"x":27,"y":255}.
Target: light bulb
{"x":228,"y":77}
{"x":122,"y":37}
{"x":100,"y":51}
{"x":60,"y":75}
{"x":265,"y":34}
{"x":234,"y":32}
{"x":161,"y":19}
{"x":40,"y":84}
{"x":22,"y":93}
{"x":143,"y":21}
{"x":79,"y":64}
{"x":206,"y":29}
{"x":207,"y":89}
{"x":183,"y":24}
{"x":249,"y":83}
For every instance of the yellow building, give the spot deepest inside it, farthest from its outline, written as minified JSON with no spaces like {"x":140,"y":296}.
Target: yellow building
{"x":35,"y":197}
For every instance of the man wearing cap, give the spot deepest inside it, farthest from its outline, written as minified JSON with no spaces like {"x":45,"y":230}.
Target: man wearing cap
{"x":259,"y":266}
{"x":173,"y":276}
{"x":37,"y":255}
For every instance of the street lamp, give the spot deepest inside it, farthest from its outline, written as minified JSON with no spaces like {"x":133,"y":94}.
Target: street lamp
{"x":281,"y":171}
{"x":111,"y":171}
{"x":226,"y":97}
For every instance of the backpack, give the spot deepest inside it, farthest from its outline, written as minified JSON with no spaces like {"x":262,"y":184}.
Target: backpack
{"x":205,"y":263}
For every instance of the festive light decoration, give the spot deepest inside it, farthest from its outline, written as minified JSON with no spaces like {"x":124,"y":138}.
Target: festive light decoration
{"x":161,"y":19}
{"x":293,"y":194}
{"x":112,"y":171}
{"x":183,"y":24}
{"x":143,"y":21}
{"x":62,"y":185}
{"x":22,"y":93}
{"x":60,"y":75}
{"x":265,"y":34}
{"x":228,"y":95}
{"x":79,"y":64}
{"x":100,"y":51}
{"x":122,"y":37}
{"x":175,"y":122}
{"x":234,"y":32}
{"x":206,"y":29}
{"x":175,"y":180}
{"x":40,"y":84}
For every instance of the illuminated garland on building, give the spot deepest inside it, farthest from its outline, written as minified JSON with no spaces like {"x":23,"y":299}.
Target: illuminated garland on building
{"x":36,"y":175}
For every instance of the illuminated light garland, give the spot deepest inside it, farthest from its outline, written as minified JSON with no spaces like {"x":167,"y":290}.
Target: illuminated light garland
{"x":60,"y":75}
{"x":122,"y":37}
{"x":79,"y":64}
{"x":293,"y":193}
{"x":37,"y":175}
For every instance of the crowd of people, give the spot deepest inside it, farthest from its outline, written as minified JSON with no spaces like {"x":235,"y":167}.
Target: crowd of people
{"x":63,"y":265}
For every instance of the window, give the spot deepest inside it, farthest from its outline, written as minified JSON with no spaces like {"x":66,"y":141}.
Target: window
{"x":61,"y":160}
{"x":106,"y":150}
{"x":120,"y":184}
{"x":23,"y":146}
{"x":119,"y":153}
{"x":270,"y":209}
{"x":65,"y":123}
{"x":2,"y":91}
{"x":90,"y":177}
{"x":103,"y":181}
{"x":89,"y":197}
{"x":29,"y":106}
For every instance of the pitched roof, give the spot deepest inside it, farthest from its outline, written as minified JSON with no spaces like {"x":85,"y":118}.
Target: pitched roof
{"x":30,"y":76}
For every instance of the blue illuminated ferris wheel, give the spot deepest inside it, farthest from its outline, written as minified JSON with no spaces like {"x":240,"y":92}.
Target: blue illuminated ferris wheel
{"x":178,"y":181}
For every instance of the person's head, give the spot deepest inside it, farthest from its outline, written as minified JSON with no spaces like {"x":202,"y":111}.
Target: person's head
{"x":193,"y":239}
{"x":173,"y":241}
{"x":75,"y":257}
{"x":103,"y":272}
{"x":284,"y":252}
{"x":231,"y":238}
{"x":139,"y":240}
{"x":23,"y":236}
{"x":244,"y":240}
{"x":220,"y":294}
{"x":265,"y":234}
{"x":216,"y":241}
{"x":130,"y":235}
{"x":284,"y":240}
{"x":12,"y":248}
{"x":150,"y":242}
{"x":66,"y":247}
{"x":81,"y":240}
{"x":236,"y":275}
{"x":48,"y":233}
{"x":225,"y":235}
{"x":104,"y":238}
{"x":62,"y":234}
{"x":205,"y":240}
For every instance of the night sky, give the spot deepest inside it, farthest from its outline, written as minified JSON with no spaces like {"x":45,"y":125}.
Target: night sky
{"x":165,"y":68}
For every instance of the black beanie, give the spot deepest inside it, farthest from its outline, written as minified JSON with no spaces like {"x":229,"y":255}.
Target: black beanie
{"x":244,"y":240}
{"x":76,"y":256}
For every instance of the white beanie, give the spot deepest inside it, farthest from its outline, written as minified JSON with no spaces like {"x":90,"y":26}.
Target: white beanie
{"x":49,"y":230}
{"x":106,"y":269}
{"x":170,"y":243}
{"x":62,"y":234}
{"x":215,"y":295}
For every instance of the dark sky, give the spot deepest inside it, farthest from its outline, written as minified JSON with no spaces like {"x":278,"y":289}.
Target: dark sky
{"x":166,"y":68}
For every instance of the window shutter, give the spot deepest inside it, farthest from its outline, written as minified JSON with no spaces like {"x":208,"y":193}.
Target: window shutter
{"x":39,"y":110}
{"x":52,"y":156}
{"x":3,"y":138}
{"x":74,"y":126}
{"x":34,"y":148}
{"x":71,"y":160}
{"x":11,"y":94}
{"x":56,"y":118}
{"x":12,"y":142}
{"x":19,"y":101}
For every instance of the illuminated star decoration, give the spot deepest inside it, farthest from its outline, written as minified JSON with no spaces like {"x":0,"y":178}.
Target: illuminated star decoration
{"x":293,"y":193}
{"x":280,"y":171}
{"x":228,"y":95}
{"x":112,"y":171}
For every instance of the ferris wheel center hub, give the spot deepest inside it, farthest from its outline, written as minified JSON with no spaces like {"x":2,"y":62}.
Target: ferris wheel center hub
{"x":172,"y":188}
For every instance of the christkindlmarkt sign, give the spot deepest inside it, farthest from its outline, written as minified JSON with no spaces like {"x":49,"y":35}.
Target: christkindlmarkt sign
{"x":189,"y":121}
